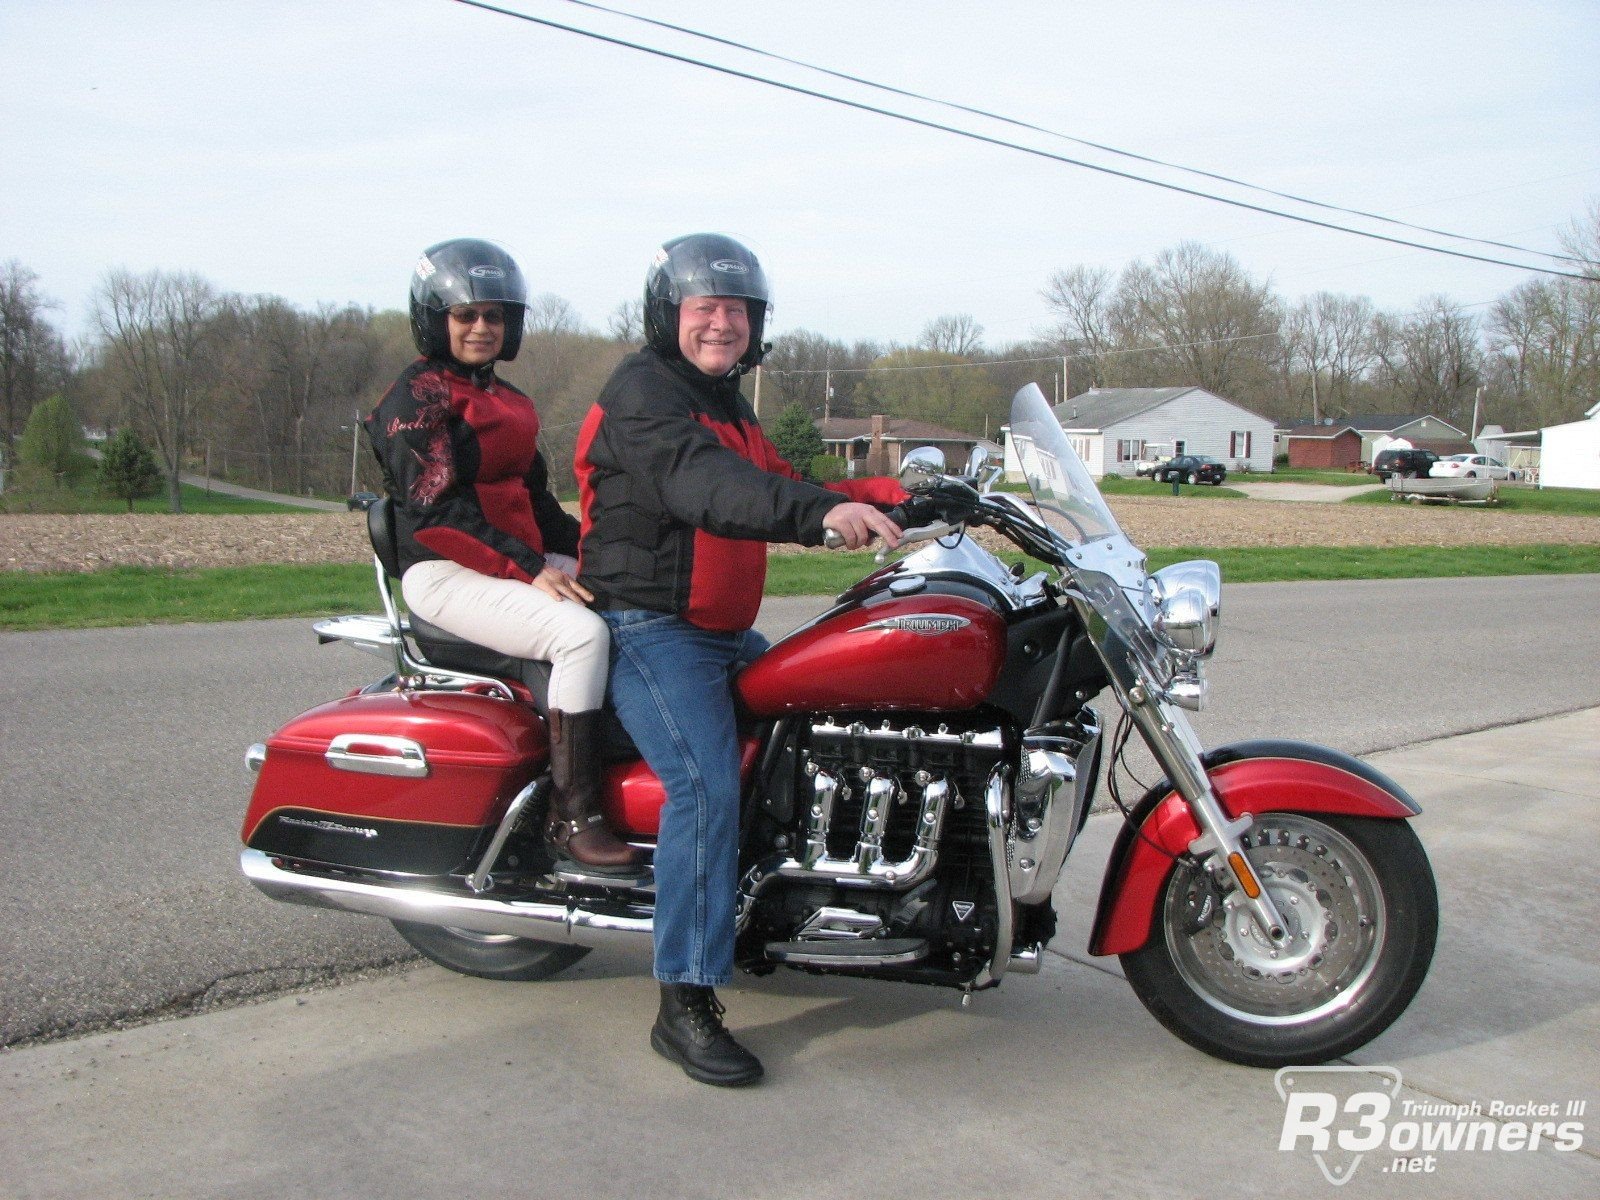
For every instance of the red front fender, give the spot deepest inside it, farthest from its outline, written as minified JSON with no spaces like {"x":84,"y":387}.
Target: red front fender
{"x":1249,"y":777}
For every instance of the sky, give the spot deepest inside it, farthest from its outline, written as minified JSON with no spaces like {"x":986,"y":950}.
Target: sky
{"x":312,"y":150}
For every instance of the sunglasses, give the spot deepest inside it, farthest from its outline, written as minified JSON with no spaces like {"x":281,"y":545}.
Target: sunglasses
{"x":470,"y":316}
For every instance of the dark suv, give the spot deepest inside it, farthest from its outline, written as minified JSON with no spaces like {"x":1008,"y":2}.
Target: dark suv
{"x":1192,"y":468}
{"x":1407,"y":464}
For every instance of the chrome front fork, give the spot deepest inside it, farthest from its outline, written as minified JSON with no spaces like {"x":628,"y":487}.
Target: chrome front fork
{"x":1166,"y":730}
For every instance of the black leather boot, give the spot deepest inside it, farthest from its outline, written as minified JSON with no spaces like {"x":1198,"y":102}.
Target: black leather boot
{"x":577,"y":829}
{"x":689,"y":1031}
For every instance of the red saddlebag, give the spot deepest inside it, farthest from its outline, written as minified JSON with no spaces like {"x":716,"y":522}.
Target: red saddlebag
{"x":399,"y":782}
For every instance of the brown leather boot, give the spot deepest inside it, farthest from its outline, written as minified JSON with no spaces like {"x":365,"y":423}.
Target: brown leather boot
{"x":577,"y":829}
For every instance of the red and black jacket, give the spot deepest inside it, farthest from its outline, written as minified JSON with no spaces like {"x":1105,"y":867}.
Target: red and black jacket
{"x":460,"y":459}
{"x":681,"y":491}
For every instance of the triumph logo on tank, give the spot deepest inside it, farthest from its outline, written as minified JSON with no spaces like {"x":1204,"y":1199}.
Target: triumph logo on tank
{"x":928,"y":624}
{"x":1342,"y":1114}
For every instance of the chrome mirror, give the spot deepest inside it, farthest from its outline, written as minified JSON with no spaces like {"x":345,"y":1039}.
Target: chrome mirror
{"x":923,"y":463}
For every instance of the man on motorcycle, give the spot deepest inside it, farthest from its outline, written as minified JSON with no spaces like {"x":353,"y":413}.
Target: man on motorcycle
{"x":681,"y":491}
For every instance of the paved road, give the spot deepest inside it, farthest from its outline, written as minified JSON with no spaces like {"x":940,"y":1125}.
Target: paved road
{"x":122,"y":783}
{"x":424,"y":1083}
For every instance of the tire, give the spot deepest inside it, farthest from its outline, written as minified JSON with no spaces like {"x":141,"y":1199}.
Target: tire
{"x":490,"y":955}
{"x":1191,"y":479}
{"x":1361,"y":894}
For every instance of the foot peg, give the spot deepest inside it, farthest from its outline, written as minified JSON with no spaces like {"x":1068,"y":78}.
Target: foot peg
{"x":636,"y":878}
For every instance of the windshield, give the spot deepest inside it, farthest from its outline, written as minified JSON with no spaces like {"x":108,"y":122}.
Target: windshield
{"x":1062,"y":487}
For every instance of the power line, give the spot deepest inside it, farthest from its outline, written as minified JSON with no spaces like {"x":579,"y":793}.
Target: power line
{"x":1067,"y":137}
{"x":1003,"y":144}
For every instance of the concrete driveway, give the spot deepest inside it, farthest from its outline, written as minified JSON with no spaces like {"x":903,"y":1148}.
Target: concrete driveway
{"x":421,"y":1083}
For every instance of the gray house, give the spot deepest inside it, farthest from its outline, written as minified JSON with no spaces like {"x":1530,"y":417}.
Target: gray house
{"x":1113,"y":429}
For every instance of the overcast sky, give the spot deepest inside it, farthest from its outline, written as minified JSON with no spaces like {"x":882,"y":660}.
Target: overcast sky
{"x":311,"y":150}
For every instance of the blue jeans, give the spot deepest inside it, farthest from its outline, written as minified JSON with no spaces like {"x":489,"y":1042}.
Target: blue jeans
{"x":671,"y":686}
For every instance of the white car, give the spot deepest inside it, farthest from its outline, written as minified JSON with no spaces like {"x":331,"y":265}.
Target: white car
{"x":1471,"y":466}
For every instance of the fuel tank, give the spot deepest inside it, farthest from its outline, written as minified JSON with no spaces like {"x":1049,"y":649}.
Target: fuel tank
{"x":931,"y":651}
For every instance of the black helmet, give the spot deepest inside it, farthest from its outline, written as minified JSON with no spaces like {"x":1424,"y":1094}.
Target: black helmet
{"x":703,"y":264}
{"x":464,"y":271}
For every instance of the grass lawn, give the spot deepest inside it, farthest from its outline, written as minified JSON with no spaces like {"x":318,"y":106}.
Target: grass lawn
{"x":1576,"y":502}
{"x":1116,"y":485}
{"x":1305,"y":475}
{"x":86,"y":499}
{"x":143,"y":595}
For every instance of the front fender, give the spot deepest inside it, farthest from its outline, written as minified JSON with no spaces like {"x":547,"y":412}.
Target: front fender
{"x":1248,"y":777}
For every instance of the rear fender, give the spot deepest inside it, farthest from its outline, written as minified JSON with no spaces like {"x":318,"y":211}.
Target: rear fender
{"x":1248,"y":777}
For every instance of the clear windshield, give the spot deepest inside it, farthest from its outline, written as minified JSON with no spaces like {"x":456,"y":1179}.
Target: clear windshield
{"x":1107,"y":569}
{"x":1066,"y":494}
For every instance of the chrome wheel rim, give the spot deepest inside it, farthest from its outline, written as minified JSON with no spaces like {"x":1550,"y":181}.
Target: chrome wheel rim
{"x":1332,"y":906}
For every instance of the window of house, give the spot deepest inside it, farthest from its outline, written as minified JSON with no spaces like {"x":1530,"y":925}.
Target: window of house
{"x":1239,"y":444}
{"x":1130,"y":449}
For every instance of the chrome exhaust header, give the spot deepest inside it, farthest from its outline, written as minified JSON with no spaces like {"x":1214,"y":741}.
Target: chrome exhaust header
{"x":595,"y":927}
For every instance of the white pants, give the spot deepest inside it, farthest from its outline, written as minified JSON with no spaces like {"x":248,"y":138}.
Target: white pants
{"x":518,"y":619}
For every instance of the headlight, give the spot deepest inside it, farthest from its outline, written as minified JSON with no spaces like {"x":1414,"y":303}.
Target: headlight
{"x":1187,"y":599}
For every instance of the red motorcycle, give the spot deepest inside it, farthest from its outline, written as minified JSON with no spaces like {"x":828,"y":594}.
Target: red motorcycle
{"x":918,"y":762}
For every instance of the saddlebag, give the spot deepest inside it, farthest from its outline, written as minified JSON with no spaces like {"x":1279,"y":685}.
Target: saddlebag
{"x":400,"y":782}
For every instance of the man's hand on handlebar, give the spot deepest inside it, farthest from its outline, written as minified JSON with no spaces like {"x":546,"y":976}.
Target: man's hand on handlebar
{"x":852,"y":526}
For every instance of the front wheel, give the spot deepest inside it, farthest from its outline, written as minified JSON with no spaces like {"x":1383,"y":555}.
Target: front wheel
{"x":1192,"y":479}
{"x":1358,"y":899}
{"x":490,"y":955}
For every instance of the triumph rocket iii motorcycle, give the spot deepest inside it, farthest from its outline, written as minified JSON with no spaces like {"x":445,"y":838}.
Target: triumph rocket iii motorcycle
{"x":918,"y":762}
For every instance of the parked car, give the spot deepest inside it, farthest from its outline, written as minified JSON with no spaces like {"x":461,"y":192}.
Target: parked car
{"x":361,"y":500}
{"x":1192,"y":468}
{"x":1471,"y":466}
{"x":1407,"y":464}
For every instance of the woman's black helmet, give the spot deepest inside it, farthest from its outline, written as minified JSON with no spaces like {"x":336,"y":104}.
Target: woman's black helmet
{"x":703,"y":264}
{"x":464,"y":271}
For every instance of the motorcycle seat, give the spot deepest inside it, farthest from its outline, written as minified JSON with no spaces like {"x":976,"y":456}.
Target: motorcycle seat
{"x":440,"y":648}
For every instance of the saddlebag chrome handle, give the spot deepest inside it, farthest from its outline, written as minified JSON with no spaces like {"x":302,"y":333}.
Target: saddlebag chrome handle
{"x":378,"y":754}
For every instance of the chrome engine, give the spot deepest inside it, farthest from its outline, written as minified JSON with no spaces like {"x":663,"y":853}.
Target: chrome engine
{"x":893,"y":838}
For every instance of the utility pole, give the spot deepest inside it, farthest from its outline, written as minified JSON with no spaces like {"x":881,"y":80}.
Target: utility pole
{"x":1477,"y":396}
{"x":355,"y":445}
{"x":756,"y":403}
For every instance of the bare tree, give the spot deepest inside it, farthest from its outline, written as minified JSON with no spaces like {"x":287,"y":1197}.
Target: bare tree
{"x":1543,"y":339}
{"x":1431,"y":358}
{"x":626,"y":323}
{"x":32,"y":357}
{"x":156,"y":329}
{"x":1081,"y":298}
{"x":1197,"y":318}
{"x":551,"y":314}
{"x":956,"y":334}
{"x":1328,"y":336}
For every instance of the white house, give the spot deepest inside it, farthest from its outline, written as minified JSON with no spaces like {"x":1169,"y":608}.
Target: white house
{"x":1571,"y":454}
{"x":1112,"y":429}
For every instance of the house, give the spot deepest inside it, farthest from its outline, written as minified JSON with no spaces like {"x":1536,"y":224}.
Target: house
{"x":1331,"y":446}
{"x":853,"y":438}
{"x":1571,"y":453}
{"x":1422,"y":432}
{"x":1113,"y":428}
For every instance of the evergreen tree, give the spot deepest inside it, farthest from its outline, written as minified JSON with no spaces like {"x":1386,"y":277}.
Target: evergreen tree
{"x":797,"y":439}
{"x":50,"y":439}
{"x":128,"y":470}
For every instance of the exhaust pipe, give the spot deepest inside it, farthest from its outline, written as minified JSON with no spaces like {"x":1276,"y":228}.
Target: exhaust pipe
{"x":618,"y":925}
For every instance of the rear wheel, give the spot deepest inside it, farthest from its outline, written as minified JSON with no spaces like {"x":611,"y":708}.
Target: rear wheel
{"x":1358,"y":899}
{"x":490,"y":955}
